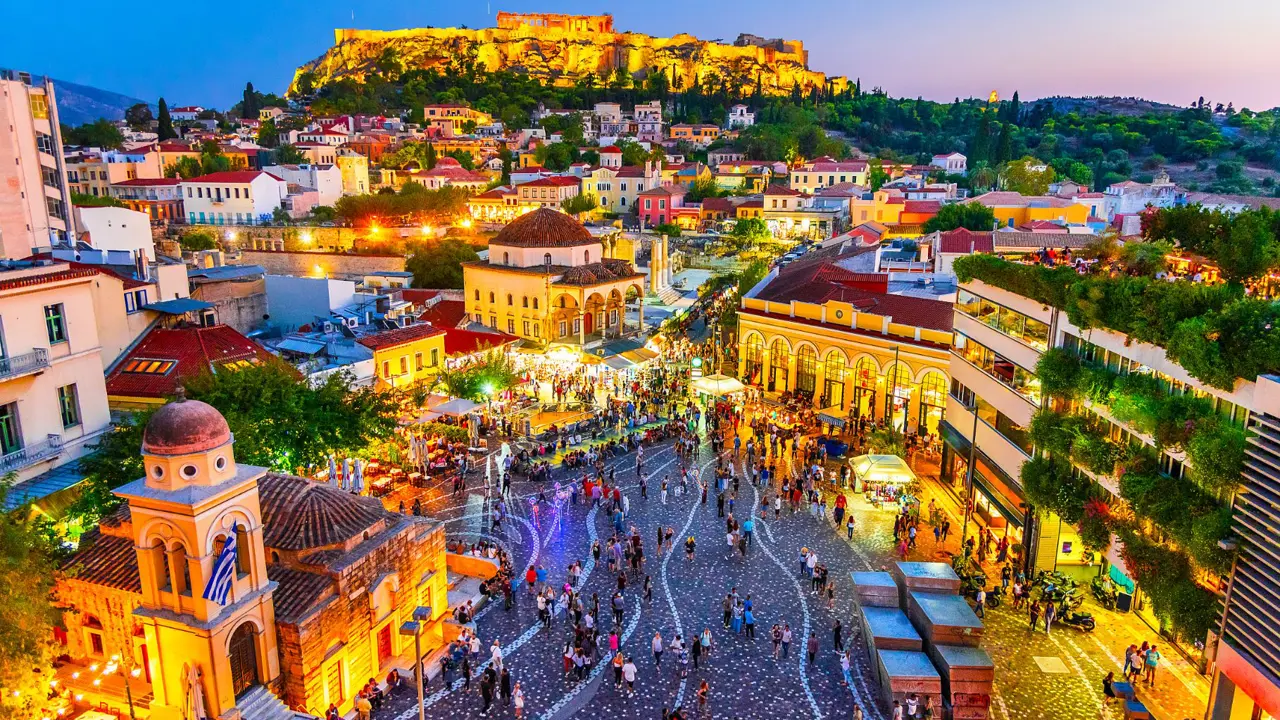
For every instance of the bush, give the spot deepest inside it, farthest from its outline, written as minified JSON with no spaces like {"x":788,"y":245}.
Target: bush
{"x":1059,"y":373}
{"x":1050,"y":485}
{"x":1045,"y":285}
{"x":452,"y":433}
{"x":1166,"y":577}
{"x":197,"y":240}
{"x":1216,"y":451}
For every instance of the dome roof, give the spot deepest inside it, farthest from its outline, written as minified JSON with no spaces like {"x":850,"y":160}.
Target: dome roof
{"x":184,"y":427}
{"x":447,"y":161}
{"x":543,"y":227}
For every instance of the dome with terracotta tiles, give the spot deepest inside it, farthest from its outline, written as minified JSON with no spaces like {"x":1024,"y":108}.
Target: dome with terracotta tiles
{"x":185,"y":427}
{"x":543,"y":227}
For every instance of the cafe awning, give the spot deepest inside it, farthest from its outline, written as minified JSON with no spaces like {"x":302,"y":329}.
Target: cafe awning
{"x":454,"y":406}
{"x":882,"y":469}
{"x":832,"y":416}
{"x":717,"y":385}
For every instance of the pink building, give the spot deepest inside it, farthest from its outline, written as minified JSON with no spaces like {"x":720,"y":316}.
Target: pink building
{"x":665,"y":204}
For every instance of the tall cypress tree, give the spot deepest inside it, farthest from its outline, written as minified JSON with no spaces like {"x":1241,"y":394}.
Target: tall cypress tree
{"x":1004,"y":147}
{"x":249,"y":102}
{"x":1015,"y":109}
{"x":980,"y":149}
{"x":165,"y":130}
{"x":431,"y":157}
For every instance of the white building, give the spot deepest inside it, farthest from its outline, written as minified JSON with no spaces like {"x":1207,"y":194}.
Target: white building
{"x":116,"y":228}
{"x":186,"y":112}
{"x":325,"y":136}
{"x":1129,"y":197}
{"x":35,"y":199}
{"x":236,"y":197}
{"x":954,"y":163}
{"x":325,"y":179}
{"x":740,"y":117}
{"x":53,"y":397}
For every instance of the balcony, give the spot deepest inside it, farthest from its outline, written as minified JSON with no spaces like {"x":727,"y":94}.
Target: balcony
{"x":51,"y":446}
{"x":24,"y":364}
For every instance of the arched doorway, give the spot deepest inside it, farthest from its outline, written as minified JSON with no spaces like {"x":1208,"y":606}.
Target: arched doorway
{"x":933,"y":397}
{"x":806,"y":371}
{"x":754,"y":359}
{"x":244,"y":659}
{"x":865,"y":376}
{"x":779,"y":361}
{"x":833,"y":373}
{"x":898,"y":387}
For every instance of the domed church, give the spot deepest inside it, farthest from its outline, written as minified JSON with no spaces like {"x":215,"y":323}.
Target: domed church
{"x":547,"y":280}
{"x":301,"y":613}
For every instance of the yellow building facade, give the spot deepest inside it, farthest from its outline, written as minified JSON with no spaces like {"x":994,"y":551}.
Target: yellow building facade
{"x":1014,"y":209}
{"x":549,"y":280}
{"x":406,"y":356}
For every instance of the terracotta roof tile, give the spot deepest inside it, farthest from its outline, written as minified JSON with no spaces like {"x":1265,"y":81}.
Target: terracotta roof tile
{"x":962,"y":241}
{"x":299,"y":591}
{"x":193,"y":350}
{"x":543,"y":227}
{"x":399,"y":336}
{"x":445,"y":314}
{"x":466,"y":342}
{"x":298,"y":514}
{"x":106,"y":560}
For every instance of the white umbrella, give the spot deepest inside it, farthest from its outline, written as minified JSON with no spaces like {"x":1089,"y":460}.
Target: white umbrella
{"x":197,"y":694}
{"x":346,"y":474}
{"x":333,"y":471}
{"x":357,"y":480}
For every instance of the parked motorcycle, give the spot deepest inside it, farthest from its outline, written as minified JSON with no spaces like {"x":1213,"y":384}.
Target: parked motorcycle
{"x":1104,"y":591}
{"x":1082,"y":621}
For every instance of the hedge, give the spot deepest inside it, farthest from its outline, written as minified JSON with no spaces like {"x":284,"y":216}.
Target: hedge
{"x":1213,"y":331}
{"x":1167,"y":579}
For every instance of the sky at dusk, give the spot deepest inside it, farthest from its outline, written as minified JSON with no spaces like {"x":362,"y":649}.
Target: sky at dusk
{"x":1166,"y":50}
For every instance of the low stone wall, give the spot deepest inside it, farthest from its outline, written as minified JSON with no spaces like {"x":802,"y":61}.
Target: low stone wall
{"x":321,"y":264}
{"x":471,"y":566}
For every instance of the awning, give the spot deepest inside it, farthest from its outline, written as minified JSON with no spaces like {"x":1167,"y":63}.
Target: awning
{"x":299,"y":345}
{"x":454,"y":406}
{"x":178,"y":306}
{"x":882,"y":469}
{"x":717,"y":385}
{"x":617,"y":347}
{"x":832,"y":416}
{"x":40,"y":490}
{"x":619,"y":362}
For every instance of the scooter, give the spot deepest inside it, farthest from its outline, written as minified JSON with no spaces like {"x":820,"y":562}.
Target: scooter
{"x":1104,"y":591}
{"x":1082,"y":621}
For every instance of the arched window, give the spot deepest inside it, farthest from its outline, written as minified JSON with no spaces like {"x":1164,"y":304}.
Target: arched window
{"x":806,"y":369}
{"x":160,"y":565}
{"x":510,"y":300}
{"x":835,"y":367}
{"x":546,"y":259}
{"x":477,"y":296}
{"x":535,"y":303}
{"x":865,"y":373}
{"x":754,"y":356}
{"x":506,"y":258}
{"x":562,"y":301}
{"x":524,"y":301}
{"x":933,"y":389}
{"x":491,"y":297}
{"x":586,"y":256}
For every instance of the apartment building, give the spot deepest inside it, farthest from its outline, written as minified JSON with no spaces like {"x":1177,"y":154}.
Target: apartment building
{"x":53,"y":401}
{"x":35,"y":207}
{"x":235,"y":197}
{"x":999,"y":338}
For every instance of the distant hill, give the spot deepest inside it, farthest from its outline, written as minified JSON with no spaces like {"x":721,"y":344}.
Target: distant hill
{"x":1115,"y":105}
{"x":79,"y":104}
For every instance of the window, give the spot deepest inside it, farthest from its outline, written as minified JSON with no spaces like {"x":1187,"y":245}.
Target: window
{"x":477,"y":296}
{"x":510,"y":300}
{"x":525,"y":326}
{"x":493,"y":321}
{"x":537,"y":330}
{"x":1020,"y":380}
{"x":435,"y":357}
{"x":492,"y":297}
{"x":535,"y":303}
{"x":144,"y":366}
{"x":69,"y":405}
{"x":55,"y":324}
{"x":546,"y":259}
{"x":134,"y":301}
{"x":417,"y":362}
{"x":386,"y":368}
{"x":39,"y":107}
{"x":525,"y":301}
{"x":404,"y":364}
{"x":1009,"y":322}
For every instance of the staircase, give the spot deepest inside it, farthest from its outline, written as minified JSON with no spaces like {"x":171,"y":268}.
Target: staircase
{"x":668,"y":296}
{"x":259,"y":703}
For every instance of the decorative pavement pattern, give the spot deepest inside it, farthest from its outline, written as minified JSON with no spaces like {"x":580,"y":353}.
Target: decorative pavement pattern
{"x":745,"y":680}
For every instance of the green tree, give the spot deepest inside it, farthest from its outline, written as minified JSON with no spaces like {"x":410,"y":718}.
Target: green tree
{"x":164,"y":130}
{"x":1022,"y":177}
{"x":211,"y":158}
{"x":703,"y":188}
{"x":139,"y":116}
{"x":268,"y":134}
{"x":197,"y":240}
{"x":249,"y":105}
{"x":94,"y":200}
{"x":668,"y":229}
{"x":579,"y":204}
{"x":100,"y":133}
{"x":971,"y":216}
{"x":289,"y":155}
{"x":505,"y":155}
{"x":116,"y":460}
{"x":28,"y":569}
{"x":980,"y":147}
{"x":464,"y":158}
{"x":439,"y":264}
{"x":1004,"y":146}
{"x":429,"y":156}
{"x":185,"y":167}
{"x":877,"y":176}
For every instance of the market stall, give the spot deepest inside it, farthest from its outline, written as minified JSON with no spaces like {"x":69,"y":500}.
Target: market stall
{"x":717,"y":385}
{"x":884,"y":478}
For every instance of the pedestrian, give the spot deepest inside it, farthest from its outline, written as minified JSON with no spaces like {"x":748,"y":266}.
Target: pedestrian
{"x":848,"y":525}
{"x":1050,"y":612}
{"x":897,"y":710}
{"x":981,"y":602}
{"x":786,"y":639}
{"x":517,"y":696}
{"x":617,"y":664}
{"x":504,"y":687}
{"x":704,"y":690}
{"x":657,"y":649}
{"x":837,"y":635}
{"x":1152,"y":661}
{"x":1035,"y":614}
{"x":812,"y":647}
{"x":629,"y":676}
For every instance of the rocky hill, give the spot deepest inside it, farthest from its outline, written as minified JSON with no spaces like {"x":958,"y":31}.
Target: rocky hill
{"x":560,"y":49}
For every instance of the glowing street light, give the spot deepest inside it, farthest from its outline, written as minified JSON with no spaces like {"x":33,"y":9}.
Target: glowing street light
{"x":305,"y":237}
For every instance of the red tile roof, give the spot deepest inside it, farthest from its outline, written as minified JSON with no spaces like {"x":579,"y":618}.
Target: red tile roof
{"x":612,"y":150}
{"x":553,"y":181}
{"x":418,"y":295}
{"x":399,"y":336}
{"x":922,"y":206}
{"x":963,"y":242}
{"x":56,"y":274}
{"x":130,"y":283}
{"x":722,"y":204}
{"x":106,"y":560}
{"x":232,"y":176}
{"x":467,"y":342}
{"x":445,"y":314}
{"x":781,"y":190}
{"x":193,"y":350}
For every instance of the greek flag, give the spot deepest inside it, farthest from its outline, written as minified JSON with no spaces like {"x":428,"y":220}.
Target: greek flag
{"x":224,"y":572}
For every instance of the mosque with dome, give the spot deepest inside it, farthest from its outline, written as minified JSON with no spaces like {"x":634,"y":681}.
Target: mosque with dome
{"x":548,"y":280}
{"x":323,"y":582}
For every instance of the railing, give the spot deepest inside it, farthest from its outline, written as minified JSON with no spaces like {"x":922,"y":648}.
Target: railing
{"x":31,"y":454}
{"x":24,"y":364}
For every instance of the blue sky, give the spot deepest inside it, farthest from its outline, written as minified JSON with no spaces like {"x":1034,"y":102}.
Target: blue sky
{"x":1170,"y":50}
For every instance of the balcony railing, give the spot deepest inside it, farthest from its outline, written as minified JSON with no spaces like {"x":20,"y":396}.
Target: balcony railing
{"x":31,"y":454}
{"x":24,"y":364}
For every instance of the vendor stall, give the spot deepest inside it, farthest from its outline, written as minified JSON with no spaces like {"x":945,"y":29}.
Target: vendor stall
{"x":717,"y":385}
{"x":882,"y":477}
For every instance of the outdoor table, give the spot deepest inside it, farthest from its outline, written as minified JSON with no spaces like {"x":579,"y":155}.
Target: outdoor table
{"x":415,"y":478}
{"x":380,"y":487}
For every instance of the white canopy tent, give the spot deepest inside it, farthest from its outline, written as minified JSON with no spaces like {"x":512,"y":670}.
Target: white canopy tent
{"x":881,"y":469}
{"x":717,"y":385}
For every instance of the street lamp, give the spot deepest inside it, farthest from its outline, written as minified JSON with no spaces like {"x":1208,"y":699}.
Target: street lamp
{"x":413,"y":628}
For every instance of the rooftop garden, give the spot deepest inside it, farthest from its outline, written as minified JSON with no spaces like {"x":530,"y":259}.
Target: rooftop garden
{"x":1200,"y":286}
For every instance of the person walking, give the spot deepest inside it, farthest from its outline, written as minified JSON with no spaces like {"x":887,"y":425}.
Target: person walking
{"x":1034,"y":613}
{"x":504,"y":687}
{"x":517,"y":697}
{"x":837,"y":635}
{"x":629,"y":676}
{"x":657,"y":649}
{"x":704,"y":691}
{"x":981,"y":602}
{"x":1152,"y":661}
{"x":812,"y":647}
{"x":786,"y":640}
{"x":1050,"y":612}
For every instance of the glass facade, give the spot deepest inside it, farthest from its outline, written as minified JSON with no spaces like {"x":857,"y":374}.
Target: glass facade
{"x":1000,"y":318}
{"x":1015,"y":377}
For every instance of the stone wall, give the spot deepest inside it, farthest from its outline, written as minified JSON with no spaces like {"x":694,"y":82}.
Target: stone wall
{"x":113,"y":609}
{"x":239,"y":304}
{"x":321,"y":264}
